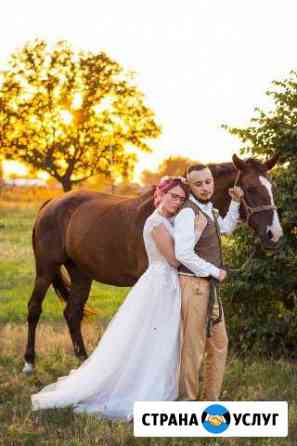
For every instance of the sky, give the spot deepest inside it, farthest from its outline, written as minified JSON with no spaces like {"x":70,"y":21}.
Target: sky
{"x":200,"y":63}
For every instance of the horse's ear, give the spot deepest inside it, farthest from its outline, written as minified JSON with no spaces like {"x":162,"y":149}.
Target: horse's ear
{"x":269,"y":164}
{"x":238,"y":162}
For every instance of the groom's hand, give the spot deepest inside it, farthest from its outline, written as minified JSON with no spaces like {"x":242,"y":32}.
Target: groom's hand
{"x":236,"y":193}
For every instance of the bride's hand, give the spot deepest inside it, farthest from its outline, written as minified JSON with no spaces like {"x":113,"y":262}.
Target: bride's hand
{"x":177,"y":264}
{"x":174,"y":262}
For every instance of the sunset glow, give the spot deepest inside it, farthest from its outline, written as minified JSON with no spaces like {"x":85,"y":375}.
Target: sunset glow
{"x":199,"y":63}
{"x":16,"y":169}
{"x":11,"y":168}
{"x":77,"y":101}
{"x":66,"y":116}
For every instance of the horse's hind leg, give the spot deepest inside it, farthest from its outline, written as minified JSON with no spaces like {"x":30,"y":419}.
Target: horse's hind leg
{"x":42,"y":283}
{"x":73,"y":313}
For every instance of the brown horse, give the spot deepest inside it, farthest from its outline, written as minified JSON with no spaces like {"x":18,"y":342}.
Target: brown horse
{"x":98,"y":236}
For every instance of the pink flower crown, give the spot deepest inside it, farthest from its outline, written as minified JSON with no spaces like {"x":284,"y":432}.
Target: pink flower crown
{"x":171,"y":178}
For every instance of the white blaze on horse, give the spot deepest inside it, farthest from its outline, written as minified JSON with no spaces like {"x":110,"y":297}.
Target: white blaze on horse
{"x":98,"y":236}
{"x":274,"y":230}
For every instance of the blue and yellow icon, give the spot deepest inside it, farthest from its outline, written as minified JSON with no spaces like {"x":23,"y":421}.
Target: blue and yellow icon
{"x":216,"y":418}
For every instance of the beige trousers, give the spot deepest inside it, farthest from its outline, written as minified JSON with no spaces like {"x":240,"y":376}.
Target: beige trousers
{"x":196,"y":346}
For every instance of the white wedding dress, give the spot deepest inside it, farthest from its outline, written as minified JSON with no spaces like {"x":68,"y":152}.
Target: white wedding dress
{"x":137,"y":358}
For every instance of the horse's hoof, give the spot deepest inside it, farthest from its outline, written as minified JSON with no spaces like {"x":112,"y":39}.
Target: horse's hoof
{"x":28,"y":368}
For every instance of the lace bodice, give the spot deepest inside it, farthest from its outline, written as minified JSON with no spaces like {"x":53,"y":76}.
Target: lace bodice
{"x":152,"y":251}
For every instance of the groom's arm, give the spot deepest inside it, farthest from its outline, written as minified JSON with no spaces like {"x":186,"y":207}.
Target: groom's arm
{"x":229,"y":222}
{"x":185,"y":240}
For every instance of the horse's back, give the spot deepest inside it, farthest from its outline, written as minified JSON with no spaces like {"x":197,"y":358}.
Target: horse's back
{"x":100,"y":233}
{"x":54,"y":216}
{"x":101,"y":238}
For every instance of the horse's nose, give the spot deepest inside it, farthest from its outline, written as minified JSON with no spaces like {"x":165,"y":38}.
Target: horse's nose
{"x":268,"y":240}
{"x":274,"y":236}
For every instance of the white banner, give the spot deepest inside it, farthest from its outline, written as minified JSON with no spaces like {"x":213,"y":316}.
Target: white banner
{"x":211,"y":419}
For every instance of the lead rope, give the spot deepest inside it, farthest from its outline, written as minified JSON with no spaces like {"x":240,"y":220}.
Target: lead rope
{"x":253,"y":251}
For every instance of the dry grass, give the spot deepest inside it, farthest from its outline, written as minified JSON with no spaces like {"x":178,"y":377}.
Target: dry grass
{"x":51,"y":338}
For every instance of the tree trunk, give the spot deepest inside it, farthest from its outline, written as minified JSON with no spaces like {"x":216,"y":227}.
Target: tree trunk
{"x":67,"y":184}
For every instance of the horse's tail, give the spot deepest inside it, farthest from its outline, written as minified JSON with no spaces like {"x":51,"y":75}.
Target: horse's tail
{"x":33,"y":232}
{"x":44,"y":203}
{"x":33,"y":240}
{"x":62,"y":286}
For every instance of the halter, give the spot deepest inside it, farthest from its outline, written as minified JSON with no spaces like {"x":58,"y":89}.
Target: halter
{"x":252,"y":210}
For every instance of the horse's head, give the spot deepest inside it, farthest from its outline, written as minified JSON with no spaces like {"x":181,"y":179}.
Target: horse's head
{"x":257,"y":207}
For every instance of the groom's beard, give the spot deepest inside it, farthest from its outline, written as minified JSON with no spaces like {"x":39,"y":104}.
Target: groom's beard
{"x":202,"y":200}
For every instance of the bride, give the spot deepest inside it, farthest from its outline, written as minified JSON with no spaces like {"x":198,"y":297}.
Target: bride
{"x":137,"y":358}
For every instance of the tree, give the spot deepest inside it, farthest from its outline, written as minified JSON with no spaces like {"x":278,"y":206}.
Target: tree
{"x":1,"y":173}
{"x":173,"y":166}
{"x":72,"y":114}
{"x":266,"y":291}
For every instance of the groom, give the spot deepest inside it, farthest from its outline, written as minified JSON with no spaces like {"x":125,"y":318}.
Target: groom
{"x":197,"y":233}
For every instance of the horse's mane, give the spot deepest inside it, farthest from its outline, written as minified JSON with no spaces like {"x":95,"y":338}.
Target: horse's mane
{"x":228,"y":168}
{"x":222,"y":169}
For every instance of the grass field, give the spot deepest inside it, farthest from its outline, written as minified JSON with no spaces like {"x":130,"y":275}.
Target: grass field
{"x":246,"y":378}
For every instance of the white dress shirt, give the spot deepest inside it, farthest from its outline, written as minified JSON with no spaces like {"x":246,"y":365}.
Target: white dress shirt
{"x":186,"y":237}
